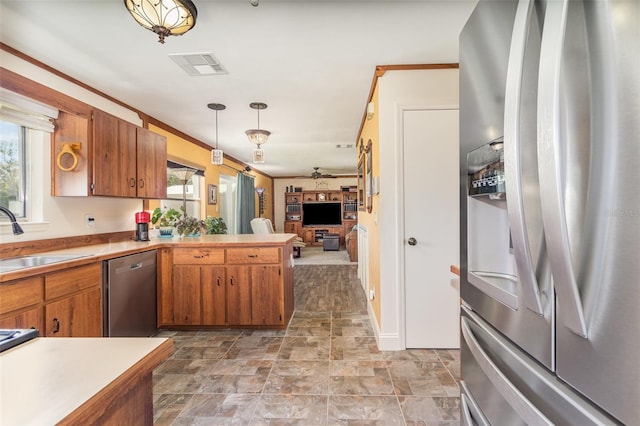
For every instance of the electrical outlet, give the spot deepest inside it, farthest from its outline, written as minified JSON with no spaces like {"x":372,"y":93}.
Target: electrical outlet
{"x":89,"y":221}
{"x":372,"y":294}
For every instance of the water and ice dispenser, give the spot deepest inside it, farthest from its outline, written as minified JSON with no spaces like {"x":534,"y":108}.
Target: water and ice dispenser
{"x":491,"y":266}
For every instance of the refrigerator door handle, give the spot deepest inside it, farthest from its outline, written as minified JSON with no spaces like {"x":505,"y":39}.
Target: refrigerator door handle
{"x":512,"y":155}
{"x":549,"y":163}
{"x":520,"y":404}
{"x":465,"y":417}
{"x":470,"y":414}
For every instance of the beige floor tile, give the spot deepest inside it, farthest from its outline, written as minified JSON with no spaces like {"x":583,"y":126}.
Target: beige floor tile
{"x":324,"y":369}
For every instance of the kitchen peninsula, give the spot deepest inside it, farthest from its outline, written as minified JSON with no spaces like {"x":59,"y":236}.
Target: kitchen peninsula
{"x":203,"y":282}
{"x":80,"y":381}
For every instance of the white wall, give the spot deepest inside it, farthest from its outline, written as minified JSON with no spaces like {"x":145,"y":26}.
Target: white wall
{"x":279,"y":186}
{"x":421,"y":89}
{"x":64,"y":216}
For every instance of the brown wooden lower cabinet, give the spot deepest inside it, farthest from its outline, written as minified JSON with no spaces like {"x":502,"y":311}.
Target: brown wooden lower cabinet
{"x":198,"y":295}
{"x":21,"y":303}
{"x":75,"y":316}
{"x":267,"y":298}
{"x":248,"y":290}
{"x":67,"y":303}
{"x":238,"y":295}
{"x":31,"y":318}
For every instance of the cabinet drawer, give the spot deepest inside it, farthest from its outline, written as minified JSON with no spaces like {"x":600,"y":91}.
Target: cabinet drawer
{"x":198,"y":256}
{"x":253,"y":255}
{"x":20,"y":294}
{"x":72,"y":280}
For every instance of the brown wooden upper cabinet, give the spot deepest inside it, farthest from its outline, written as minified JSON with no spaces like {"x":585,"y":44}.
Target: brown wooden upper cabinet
{"x":107,"y":156}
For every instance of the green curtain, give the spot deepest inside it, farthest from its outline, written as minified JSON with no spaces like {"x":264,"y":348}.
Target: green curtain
{"x":246,"y":203}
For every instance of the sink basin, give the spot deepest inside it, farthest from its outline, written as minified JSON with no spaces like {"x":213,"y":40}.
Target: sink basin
{"x":15,"y":263}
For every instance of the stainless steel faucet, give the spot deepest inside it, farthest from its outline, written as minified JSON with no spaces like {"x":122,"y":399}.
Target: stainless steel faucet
{"x":17,"y":230}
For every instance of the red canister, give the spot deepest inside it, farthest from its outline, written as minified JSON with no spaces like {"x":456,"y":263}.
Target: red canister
{"x":143,"y":217}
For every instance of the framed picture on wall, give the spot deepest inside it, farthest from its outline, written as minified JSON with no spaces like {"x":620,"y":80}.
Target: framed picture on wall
{"x":213,"y":194}
{"x":369,"y":176}
{"x":361,"y":183}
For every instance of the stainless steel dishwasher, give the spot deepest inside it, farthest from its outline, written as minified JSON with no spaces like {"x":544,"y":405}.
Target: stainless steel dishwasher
{"x":129,"y":295}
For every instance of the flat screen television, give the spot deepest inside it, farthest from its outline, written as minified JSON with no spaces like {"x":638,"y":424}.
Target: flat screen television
{"x":321,"y":214}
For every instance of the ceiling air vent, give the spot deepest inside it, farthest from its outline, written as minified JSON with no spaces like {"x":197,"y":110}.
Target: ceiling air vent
{"x":198,"y":64}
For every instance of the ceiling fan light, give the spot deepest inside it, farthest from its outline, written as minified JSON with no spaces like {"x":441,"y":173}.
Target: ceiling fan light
{"x":217,"y":157}
{"x":163,"y":17}
{"x":258,"y":136}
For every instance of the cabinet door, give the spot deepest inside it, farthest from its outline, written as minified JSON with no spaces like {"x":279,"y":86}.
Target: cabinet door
{"x":76,"y":316}
{"x":292,"y":228}
{"x":114,"y":156}
{"x":151,"y":159}
{"x":267,"y":303}
{"x":71,"y":128}
{"x":27,"y":319}
{"x":238,"y":295}
{"x":309,"y":236}
{"x":187,"y":295}
{"x":212,"y":279}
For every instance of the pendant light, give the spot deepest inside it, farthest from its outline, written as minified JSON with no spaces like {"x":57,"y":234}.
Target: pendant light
{"x":258,"y":136}
{"x":163,"y":17}
{"x":217,"y":157}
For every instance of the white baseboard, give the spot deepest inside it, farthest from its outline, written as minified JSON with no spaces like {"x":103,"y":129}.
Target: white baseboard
{"x":385,"y":341}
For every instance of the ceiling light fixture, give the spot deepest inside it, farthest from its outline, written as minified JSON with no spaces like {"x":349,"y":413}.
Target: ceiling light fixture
{"x":163,"y":17}
{"x":258,"y":136}
{"x":217,"y":156}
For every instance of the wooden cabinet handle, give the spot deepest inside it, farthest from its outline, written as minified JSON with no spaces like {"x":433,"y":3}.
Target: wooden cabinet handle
{"x":253,"y":255}
{"x":133,"y":183}
{"x":56,"y":325}
{"x":231,"y":280}
{"x":218,"y":281}
{"x":141,"y":183}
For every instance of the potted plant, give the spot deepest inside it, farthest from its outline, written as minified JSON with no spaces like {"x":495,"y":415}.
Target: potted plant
{"x":190,"y":226}
{"x":166,"y":220}
{"x":215,"y":225}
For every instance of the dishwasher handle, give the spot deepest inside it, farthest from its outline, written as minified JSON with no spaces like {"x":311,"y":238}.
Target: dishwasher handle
{"x":135,"y":266}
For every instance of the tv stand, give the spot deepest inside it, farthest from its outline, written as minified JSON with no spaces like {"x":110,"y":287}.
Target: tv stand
{"x":314,"y":236}
{"x":318,"y":234}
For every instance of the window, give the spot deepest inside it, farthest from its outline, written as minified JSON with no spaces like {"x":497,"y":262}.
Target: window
{"x":25,"y":127}
{"x":191,"y":191}
{"x":13,"y":167}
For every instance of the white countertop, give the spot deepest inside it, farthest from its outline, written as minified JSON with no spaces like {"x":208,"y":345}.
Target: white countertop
{"x":99,"y":252}
{"x":45,"y":379}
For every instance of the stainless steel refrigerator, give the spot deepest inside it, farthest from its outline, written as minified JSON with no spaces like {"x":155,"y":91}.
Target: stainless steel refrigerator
{"x":550,"y":212}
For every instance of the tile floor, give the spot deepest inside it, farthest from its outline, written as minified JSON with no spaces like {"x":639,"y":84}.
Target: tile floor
{"x":324,"y":369}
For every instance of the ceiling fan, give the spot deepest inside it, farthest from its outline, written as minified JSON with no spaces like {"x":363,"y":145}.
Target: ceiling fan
{"x":317,"y":175}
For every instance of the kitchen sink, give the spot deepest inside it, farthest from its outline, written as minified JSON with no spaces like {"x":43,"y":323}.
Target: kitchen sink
{"x":15,"y":263}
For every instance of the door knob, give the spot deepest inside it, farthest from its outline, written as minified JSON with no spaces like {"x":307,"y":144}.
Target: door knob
{"x":413,"y":241}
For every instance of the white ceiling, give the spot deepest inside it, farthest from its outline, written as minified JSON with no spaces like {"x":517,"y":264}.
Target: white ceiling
{"x":311,"y":61}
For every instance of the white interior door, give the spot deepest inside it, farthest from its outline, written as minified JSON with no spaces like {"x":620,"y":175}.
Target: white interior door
{"x":431,"y":211}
